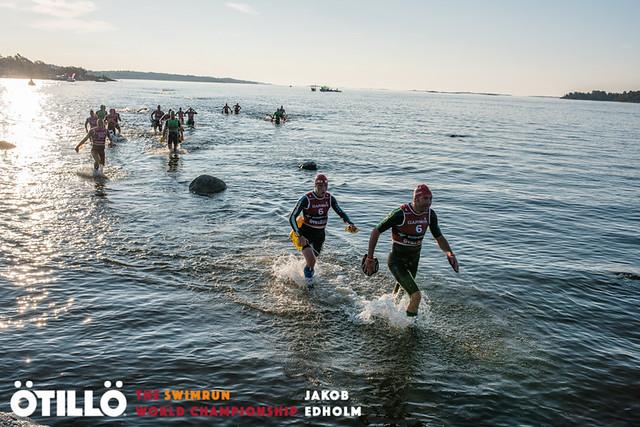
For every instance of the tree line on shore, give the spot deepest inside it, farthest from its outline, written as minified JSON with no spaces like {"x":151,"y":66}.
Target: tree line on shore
{"x":20,"y":67}
{"x":600,"y":95}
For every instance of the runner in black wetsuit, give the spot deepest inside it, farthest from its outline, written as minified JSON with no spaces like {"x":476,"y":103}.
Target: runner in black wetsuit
{"x":314,"y":207}
{"x":156,"y":116}
{"x":174,"y":129}
{"x":408,"y":225}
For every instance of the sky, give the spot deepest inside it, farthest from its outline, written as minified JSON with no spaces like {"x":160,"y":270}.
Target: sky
{"x":518,"y":47}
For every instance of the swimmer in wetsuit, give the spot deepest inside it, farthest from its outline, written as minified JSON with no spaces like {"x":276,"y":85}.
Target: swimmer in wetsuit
{"x":408,"y":225}
{"x":314,"y":207}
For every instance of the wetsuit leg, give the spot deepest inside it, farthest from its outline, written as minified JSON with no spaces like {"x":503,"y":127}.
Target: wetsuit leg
{"x":404,"y":268}
{"x":173,"y":140}
{"x":315,"y":237}
{"x":318,"y":242}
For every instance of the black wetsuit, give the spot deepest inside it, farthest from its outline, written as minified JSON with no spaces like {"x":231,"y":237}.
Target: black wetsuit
{"x":314,"y":235}
{"x":173,"y":127}
{"x":403,"y":260}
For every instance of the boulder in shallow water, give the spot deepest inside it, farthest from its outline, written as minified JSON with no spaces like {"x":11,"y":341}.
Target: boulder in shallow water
{"x":11,"y":420}
{"x":206,"y":185}
{"x":628,"y":275}
{"x":309,"y":166}
{"x":6,"y":145}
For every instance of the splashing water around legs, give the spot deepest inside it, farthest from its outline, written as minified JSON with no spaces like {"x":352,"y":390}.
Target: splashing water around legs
{"x":392,"y":308}
{"x":290,"y":268}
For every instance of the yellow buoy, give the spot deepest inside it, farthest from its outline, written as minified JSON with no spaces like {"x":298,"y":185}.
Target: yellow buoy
{"x":295,"y":239}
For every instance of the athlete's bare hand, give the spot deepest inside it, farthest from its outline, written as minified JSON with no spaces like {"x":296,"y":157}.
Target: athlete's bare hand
{"x":451,"y":257}
{"x":369,"y":266}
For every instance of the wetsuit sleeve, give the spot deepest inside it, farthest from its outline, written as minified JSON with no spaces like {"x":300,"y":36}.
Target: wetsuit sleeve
{"x":303,"y":203}
{"x":395,"y":217}
{"x":433,"y":225}
{"x":339,"y":211}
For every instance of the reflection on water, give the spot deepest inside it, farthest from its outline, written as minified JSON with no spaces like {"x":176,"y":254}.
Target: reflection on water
{"x":28,"y":245}
{"x":174,"y":163}
{"x":24,"y":119}
{"x":100,"y":189}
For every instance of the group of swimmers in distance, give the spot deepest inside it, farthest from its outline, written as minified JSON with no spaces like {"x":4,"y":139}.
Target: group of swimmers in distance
{"x":159,"y":117}
{"x":171,"y":125}
{"x":111,"y":118}
{"x":227,"y":110}
{"x":279,"y":116}
{"x":98,"y":134}
{"x":102,"y":126}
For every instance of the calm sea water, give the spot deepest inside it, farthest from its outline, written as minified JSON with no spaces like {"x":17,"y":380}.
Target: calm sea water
{"x":135,"y":279}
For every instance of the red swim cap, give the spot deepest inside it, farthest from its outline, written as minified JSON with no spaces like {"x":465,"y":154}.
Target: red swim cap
{"x":422,"y":190}
{"x":321,"y":178}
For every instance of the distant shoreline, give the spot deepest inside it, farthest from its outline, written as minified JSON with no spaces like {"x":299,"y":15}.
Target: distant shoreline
{"x":461,"y":92}
{"x":144,"y":75}
{"x":20,"y":67}
{"x":23,"y":68}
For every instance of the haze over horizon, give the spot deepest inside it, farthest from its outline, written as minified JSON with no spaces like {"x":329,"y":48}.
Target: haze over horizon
{"x":538,"y":48}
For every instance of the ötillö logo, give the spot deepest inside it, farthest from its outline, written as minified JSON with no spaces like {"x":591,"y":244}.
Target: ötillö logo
{"x":64,"y":402}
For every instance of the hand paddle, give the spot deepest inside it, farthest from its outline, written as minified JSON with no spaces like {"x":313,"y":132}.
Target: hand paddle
{"x":376,"y":265}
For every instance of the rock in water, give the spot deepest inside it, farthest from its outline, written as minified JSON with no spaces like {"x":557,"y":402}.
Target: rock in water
{"x":310,"y":166}
{"x":11,"y":420}
{"x":6,"y":145}
{"x":205,"y":185}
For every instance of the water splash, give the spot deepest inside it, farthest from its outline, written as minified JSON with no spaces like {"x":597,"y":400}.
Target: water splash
{"x":289,"y":268}
{"x":392,"y":309}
